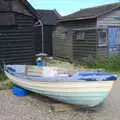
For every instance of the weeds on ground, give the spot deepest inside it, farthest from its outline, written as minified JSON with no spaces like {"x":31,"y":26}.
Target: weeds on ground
{"x":110,"y":64}
{"x":77,"y":66}
{"x":2,"y":77}
{"x":4,"y":82}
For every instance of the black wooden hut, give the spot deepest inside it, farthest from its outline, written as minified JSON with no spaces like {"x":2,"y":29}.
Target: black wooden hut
{"x":88,"y":33}
{"x":43,"y":30}
{"x":17,"y":19}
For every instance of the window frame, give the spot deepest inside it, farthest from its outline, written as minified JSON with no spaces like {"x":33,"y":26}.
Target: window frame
{"x":100,"y":44}
{"x":80,"y":35}
{"x":64,"y":35}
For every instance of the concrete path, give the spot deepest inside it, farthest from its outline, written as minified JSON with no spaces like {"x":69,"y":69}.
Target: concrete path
{"x":36,"y":107}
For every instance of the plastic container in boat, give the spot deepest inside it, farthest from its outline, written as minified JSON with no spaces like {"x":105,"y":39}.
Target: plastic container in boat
{"x":41,"y":63}
{"x":18,"y":91}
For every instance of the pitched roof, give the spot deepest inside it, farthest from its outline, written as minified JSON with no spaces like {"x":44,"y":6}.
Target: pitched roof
{"x":7,"y":6}
{"x":91,"y":12}
{"x":48,"y":17}
{"x":29,"y":7}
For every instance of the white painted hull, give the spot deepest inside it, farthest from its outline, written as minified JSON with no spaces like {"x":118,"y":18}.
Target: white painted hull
{"x":87,"y":93}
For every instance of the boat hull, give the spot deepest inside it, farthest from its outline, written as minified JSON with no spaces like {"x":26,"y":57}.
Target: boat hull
{"x":79,"y":93}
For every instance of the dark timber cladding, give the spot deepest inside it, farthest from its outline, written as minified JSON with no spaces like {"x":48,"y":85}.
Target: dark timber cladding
{"x":48,"y":18}
{"x":17,"y":20}
{"x":86,"y":34}
{"x":84,"y":48}
{"x":67,"y":46}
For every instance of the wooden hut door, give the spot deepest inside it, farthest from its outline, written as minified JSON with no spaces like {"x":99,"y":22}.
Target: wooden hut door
{"x":114,"y":40}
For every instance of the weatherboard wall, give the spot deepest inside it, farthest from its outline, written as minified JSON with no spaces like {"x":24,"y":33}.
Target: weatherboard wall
{"x":111,"y":19}
{"x":16,"y":41}
{"x":62,"y":45}
{"x":70,"y":48}
{"x":16,"y":33}
{"x":85,"y":49}
{"x":47,"y":39}
{"x":48,"y":29}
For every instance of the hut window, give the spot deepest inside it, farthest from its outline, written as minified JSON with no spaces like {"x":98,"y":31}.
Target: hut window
{"x":64,"y":35}
{"x":80,"y":35}
{"x":102,"y":38}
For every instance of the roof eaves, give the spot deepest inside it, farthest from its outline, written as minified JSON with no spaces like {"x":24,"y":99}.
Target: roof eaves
{"x":29,"y":6}
{"x":94,"y":16}
{"x":56,"y":13}
{"x":39,"y":11}
{"x":75,"y":19}
{"x":101,"y":14}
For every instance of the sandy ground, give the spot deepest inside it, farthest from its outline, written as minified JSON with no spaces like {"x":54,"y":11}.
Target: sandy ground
{"x":36,"y":107}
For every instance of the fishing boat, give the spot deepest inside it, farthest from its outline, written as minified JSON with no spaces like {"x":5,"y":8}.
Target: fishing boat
{"x":87,"y":88}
